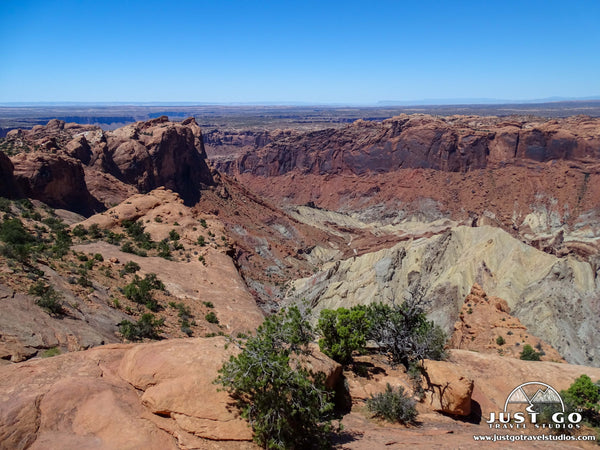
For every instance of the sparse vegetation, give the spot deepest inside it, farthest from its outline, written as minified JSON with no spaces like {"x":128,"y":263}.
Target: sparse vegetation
{"x":343,"y":331}
{"x":48,"y":298}
{"x":404,"y":334}
{"x":127,"y":247}
{"x":79,"y":231}
{"x":287,"y":406}
{"x":500,"y":340}
{"x":94,"y":231}
{"x":18,"y":242}
{"x":185,"y":316}
{"x":146,"y":327}
{"x":54,"y":351}
{"x":5,"y":204}
{"x":529,"y":354}
{"x":393,"y":405}
{"x":139,"y":290}
{"x":130,"y":267}
{"x":211,"y":317}
{"x":164,"y":251}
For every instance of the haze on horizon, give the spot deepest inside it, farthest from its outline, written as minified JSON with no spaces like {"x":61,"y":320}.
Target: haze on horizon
{"x":305,"y":52}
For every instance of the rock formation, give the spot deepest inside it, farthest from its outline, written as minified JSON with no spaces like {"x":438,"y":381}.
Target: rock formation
{"x":28,"y":331}
{"x":56,"y":160}
{"x":454,"y":144}
{"x":57,"y":180}
{"x":160,"y":153}
{"x":8,"y":185}
{"x":555,"y":298}
{"x":159,"y":395}
{"x":486,"y":325}
{"x":492,"y":220}
{"x":446,"y":389}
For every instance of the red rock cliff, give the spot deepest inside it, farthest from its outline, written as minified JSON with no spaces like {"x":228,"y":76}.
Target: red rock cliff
{"x":455,"y":144}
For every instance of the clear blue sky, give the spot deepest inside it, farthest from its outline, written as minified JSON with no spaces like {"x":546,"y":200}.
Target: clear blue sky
{"x":305,"y":51}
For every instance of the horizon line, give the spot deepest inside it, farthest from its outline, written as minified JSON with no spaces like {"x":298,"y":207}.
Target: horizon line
{"x":378,"y":104}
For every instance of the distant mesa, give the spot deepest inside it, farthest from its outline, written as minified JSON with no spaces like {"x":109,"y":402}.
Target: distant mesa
{"x":418,"y":141}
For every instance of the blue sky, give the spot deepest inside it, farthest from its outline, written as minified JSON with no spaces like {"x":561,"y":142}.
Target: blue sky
{"x":310,"y":51}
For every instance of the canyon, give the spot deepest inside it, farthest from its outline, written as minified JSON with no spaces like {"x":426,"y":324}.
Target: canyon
{"x":494,"y":220}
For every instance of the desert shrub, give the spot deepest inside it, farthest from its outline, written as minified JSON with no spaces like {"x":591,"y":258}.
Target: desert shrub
{"x":500,"y":340}
{"x":48,"y":298}
{"x":18,"y":241}
{"x":393,"y":405}
{"x":139,"y":290}
{"x":201,"y":241}
{"x":404,"y":334}
{"x":174,"y":235}
{"x":94,"y":231}
{"x":54,"y":223}
{"x":164,"y":251}
{"x":83,"y":279}
{"x":34,"y":215}
{"x":185,"y":315}
{"x":211,"y":317}
{"x":287,"y":406}
{"x":79,"y":231}
{"x":62,"y":243}
{"x":98,"y":257}
{"x":343,"y":331}
{"x":146,"y":327}
{"x":5,"y":204}
{"x":529,"y":354}
{"x":131,"y":267}
{"x":203,"y":223}
{"x":136,"y":231}
{"x":584,"y":395}
{"x":127,"y":247}
{"x":25,"y":203}
{"x":54,"y":351}
{"x":113,"y":238}
{"x":208,"y":304}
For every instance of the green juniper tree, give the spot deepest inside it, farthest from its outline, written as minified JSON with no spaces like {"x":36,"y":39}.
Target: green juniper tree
{"x":287,"y":405}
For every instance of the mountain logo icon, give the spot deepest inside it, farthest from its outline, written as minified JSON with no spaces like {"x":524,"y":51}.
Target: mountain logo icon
{"x":543,"y":395}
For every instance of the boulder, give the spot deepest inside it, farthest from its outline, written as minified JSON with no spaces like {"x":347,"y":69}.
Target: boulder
{"x":80,"y":149}
{"x":176,"y":378}
{"x":446,"y":389}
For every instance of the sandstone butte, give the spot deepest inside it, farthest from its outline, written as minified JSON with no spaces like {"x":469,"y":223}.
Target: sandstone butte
{"x":494,"y":218}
